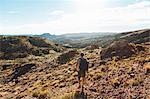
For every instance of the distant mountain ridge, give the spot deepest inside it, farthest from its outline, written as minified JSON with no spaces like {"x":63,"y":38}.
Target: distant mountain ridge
{"x":80,"y":40}
{"x":47,"y":35}
{"x":74,"y":35}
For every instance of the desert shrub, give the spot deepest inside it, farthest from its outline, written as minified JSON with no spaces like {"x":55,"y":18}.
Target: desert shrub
{"x":91,"y":51}
{"x":68,"y":96}
{"x":4,"y":67}
{"x":115,"y":82}
{"x":140,"y":48}
{"x":74,"y":95}
{"x":41,"y":94}
{"x":135,"y":81}
{"x":45,"y":51}
{"x":37,"y":52}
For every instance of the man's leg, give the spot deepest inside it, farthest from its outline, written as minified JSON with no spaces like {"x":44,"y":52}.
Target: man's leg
{"x":84,"y":79}
{"x":79,"y":81}
{"x":83,"y":82}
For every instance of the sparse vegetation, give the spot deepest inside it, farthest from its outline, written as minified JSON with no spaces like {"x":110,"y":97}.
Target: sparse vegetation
{"x":50,"y":74}
{"x":68,"y":96}
{"x":41,"y":94}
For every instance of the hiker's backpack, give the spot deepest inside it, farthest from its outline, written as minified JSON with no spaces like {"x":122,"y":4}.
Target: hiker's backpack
{"x":83,"y":65}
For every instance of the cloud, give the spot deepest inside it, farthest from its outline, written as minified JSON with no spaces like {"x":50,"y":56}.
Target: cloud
{"x":94,"y":17}
{"x":142,"y":4}
{"x":57,"y":12}
{"x":12,"y":12}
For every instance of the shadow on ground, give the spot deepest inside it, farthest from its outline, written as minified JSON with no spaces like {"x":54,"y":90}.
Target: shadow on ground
{"x":80,"y":95}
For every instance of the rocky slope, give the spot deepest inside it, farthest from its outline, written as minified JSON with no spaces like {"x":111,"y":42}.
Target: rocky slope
{"x":51,"y":77}
{"x":125,"y":78}
{"x":23,"y":46}
{"x":137,"y":37}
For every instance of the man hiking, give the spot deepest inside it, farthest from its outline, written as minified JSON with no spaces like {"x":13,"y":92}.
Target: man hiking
{"x":82,"y":69}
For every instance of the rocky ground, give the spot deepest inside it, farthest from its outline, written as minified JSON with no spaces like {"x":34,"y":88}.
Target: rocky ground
{"x":35,"y":68}
{"x":116,"y":78}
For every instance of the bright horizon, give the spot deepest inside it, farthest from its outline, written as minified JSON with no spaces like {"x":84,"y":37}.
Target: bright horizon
{"x":72,"y":16}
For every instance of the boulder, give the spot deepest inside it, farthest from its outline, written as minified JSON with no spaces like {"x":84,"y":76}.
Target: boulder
{"x":118,"y":49}
{"x":67,"y":56}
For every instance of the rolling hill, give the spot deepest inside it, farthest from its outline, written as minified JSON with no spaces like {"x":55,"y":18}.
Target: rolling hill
{"x":21,"y":46}
{"x":120,"y":70}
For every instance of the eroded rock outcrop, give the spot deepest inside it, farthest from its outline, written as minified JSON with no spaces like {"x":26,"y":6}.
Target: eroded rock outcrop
{"x":65,"y":57}
{"x":119,"y":49}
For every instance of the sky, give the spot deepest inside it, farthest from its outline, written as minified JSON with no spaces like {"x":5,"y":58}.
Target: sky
{"x":73,"y":16}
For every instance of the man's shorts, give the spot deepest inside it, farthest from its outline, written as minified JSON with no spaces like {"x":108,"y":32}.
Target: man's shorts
{"x":81,"y":74}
